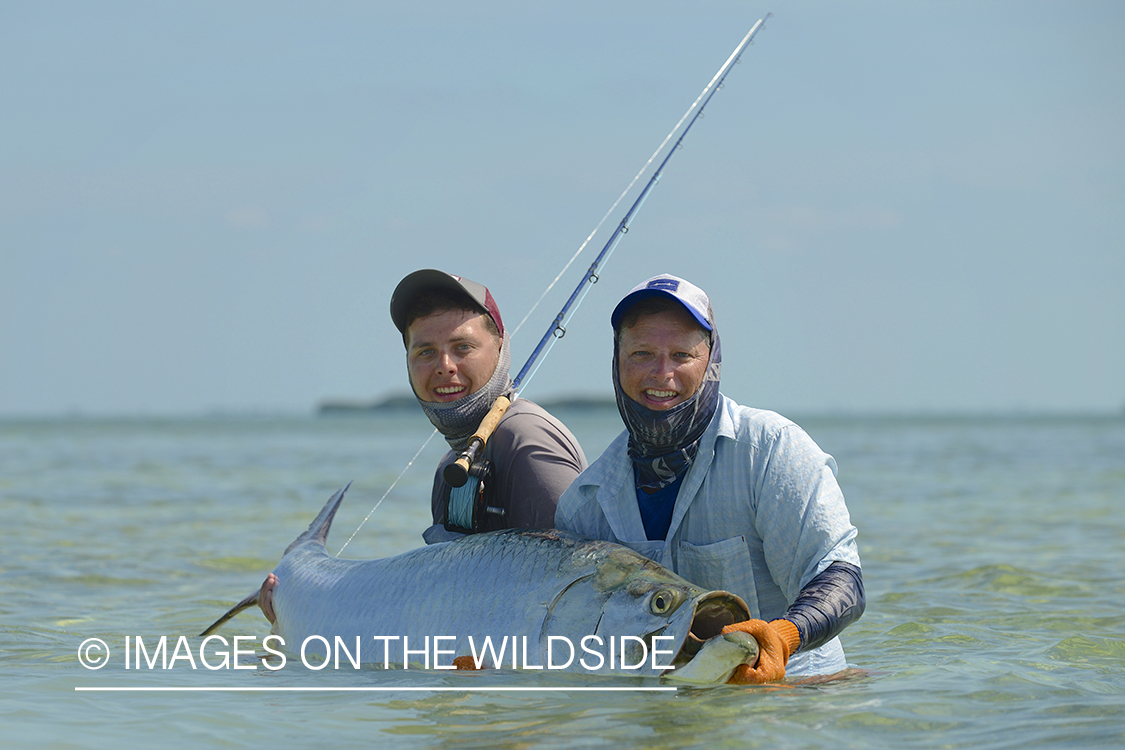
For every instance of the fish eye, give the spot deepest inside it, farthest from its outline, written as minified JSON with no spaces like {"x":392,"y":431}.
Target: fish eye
{"x":662,"y":602}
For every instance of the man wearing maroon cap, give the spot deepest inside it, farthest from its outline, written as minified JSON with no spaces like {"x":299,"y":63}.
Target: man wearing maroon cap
{"x":457,"y":358}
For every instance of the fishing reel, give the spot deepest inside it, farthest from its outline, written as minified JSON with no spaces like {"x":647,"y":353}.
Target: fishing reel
{"x":465,"y":506}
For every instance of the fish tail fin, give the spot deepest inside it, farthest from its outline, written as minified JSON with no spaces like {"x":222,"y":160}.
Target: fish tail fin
{"x":317,"y":530}
{"x":246,"y":603}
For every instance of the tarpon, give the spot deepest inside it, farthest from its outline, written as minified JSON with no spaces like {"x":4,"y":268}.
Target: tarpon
{"x":528,"y":599}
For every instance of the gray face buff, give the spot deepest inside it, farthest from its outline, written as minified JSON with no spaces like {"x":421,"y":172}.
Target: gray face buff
{"x":458,"y":420}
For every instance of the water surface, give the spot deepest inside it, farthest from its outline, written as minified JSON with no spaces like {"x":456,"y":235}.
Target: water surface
{"x":993,"y":552}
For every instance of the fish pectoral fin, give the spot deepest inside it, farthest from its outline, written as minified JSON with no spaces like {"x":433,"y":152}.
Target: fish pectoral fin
{"x":246,"y":603}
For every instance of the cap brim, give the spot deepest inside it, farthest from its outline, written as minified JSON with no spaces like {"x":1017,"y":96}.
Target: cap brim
{"x":635,"y":297}
{"x":430,"y":279}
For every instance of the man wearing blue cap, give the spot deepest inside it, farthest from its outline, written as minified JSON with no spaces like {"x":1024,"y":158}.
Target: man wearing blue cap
{"x":727,"y":496}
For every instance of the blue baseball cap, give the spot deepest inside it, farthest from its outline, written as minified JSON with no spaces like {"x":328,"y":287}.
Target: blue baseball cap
{"x":693,"y":299}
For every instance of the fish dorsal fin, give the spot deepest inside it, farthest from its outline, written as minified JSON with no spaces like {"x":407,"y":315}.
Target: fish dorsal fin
{"x":318,"y":529}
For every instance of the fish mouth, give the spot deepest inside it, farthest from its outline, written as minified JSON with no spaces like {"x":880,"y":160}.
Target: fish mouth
{"x":713,"y":612}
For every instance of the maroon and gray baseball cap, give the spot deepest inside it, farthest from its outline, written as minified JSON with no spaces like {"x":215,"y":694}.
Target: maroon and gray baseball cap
{"x":687,"y":294}
{"x":427,"y":279}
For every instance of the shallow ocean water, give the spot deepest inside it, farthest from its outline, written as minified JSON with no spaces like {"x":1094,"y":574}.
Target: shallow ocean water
{"x":993,"y":553}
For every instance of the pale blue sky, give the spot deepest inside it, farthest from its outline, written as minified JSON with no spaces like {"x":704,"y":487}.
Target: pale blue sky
{"x":894,"y":206}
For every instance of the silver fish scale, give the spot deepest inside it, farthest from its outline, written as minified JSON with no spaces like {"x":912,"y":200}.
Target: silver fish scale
{"x":522,"y":590}
{"x":486,"y":585}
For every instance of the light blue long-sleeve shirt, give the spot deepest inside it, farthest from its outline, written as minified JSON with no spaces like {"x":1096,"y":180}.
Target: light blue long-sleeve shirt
{"x":759,"y":514}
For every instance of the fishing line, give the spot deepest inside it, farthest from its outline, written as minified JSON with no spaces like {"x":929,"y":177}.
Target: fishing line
{"x":555,"y":339}
{"x":599,"y":225}
{"x":384,"y":497}
{"x":558,"y":328}
{"x":647,"y":164}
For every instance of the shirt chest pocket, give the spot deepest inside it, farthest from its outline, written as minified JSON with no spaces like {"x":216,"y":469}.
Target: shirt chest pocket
{"x":724,"y":565}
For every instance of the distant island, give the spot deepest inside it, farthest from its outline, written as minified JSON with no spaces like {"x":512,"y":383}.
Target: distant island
{"x":391,"y":403}
{"x":406,"y":401}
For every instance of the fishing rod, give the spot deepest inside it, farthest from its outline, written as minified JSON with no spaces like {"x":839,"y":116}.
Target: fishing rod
{"x":456,"y":474}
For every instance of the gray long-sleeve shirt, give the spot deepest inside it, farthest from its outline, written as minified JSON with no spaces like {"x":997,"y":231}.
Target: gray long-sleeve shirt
{"x":534,"y":459}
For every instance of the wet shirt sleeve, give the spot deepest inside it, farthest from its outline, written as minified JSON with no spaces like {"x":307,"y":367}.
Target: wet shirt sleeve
{"x":801,"y":516}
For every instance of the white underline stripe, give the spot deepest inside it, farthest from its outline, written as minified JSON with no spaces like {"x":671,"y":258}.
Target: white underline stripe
{"x":368,"y":689}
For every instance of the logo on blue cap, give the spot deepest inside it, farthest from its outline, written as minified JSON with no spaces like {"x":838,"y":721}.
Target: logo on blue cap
{"x":665,"y":285}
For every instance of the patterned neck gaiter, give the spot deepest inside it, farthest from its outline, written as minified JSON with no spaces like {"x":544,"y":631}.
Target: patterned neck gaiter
{"x":458,"y":420}
{"x":663,"y":444}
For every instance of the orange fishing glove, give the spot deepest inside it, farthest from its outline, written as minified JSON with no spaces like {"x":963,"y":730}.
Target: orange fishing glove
{"x":777,"y":640}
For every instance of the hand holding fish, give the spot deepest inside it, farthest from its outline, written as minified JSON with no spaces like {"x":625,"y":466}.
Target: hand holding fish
{"x":265,"y":598}
{"x":777,"y":640}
